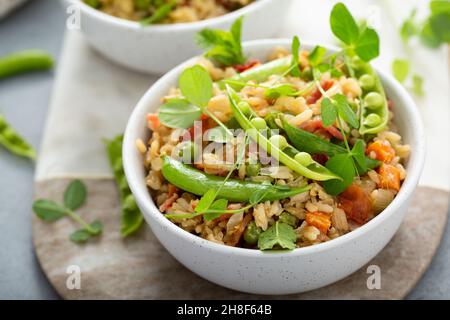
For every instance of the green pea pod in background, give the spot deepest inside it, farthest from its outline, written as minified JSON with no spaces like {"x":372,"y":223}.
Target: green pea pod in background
{"x":13,"y":142}
{"x":24,"y":61}
{"x":261,"y":73}
{"x":132,"y":218}
{"x":198,"y":182}
{"x":374,"y":113}
{"x":314,"y":170}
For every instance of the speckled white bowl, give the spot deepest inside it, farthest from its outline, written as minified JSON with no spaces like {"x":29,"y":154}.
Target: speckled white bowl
{"x":158,"y":48}
{"x":274,"y":272}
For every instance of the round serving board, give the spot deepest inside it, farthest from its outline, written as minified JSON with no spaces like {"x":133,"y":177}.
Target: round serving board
{"x":140,"y":268}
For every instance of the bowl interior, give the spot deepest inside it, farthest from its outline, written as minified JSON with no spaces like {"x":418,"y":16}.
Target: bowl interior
{"x":406,"y":118}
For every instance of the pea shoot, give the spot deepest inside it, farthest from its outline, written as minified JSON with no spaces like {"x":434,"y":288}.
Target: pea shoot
{"x":74,"y":198}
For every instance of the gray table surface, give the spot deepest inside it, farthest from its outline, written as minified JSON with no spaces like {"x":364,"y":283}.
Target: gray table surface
{"x":24,"y":101}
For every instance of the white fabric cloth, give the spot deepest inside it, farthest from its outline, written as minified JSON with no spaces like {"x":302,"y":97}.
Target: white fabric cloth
{"x":92,"y":97}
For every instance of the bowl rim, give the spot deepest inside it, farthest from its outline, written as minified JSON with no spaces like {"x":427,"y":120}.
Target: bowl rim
{"x":149,"y":208}
{"x":185,"y":26}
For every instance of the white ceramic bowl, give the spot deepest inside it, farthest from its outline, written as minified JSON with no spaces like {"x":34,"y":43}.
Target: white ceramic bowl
{"x":158,"y":48}
{"x":274,"y":272}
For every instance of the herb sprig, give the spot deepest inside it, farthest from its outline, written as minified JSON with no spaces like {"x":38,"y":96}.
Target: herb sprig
{"x":223,"y":47}
{"x":74,"y":197}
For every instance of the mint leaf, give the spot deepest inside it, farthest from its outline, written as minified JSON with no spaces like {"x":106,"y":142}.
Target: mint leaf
{"x":48,"y":210}
{"x":343,"y":24}
{"x":342,"y":165}
{"x":295,"y":47}
{"x":178,"y":113}
{"x":328,"y":112}
{"x":75,"y":195}
{"x":80,"y":236}
{"x":196,"y":85}
{"x":400,"y":69}
{"x":220,"y":206}
{"x":367,"y":47}
{"x":222,"y":46}
{"x":132,"y":218}
{"x":279,"y":234}
{"x":440,"y":24}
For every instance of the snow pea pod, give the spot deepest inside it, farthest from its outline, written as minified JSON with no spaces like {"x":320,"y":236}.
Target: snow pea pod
{"x":313,"y":171}
{"x":13,"y":142}
{"x":374,"y":105}
{"x":197,"y":182}
{"x":309,"y":142}
{"x":260,"y":73}
{"x":24,"y":61}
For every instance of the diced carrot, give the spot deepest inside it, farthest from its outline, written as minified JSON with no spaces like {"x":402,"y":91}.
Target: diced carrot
{"x":356,"y":203}
{"x":168,"y":203}
{"x":153,"y":121}
{"x":334,"y":132}
{"x":243,"y":67}
{"x":316,"y":126}
{"x":389,"y":177}
{"x":382,"y":149}
{"x":317,"y":94}
{"x":320,"y":220}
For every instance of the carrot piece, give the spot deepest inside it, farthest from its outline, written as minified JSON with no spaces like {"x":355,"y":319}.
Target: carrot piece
{"x":153,"y":121}
{"x":356,"y":203}
{"x":320,"y":220}
{"x":389,"y":177}
{"x":243,"y":67}
{"x":168,"y":203}
{"x":382,"y":149}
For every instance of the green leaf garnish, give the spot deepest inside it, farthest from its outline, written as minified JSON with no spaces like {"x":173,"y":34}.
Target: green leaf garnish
{"x":316,"y":56}
{"x":278,"y":235}
{"x":400,"y":69}
{"x":196,"y":85}
{"x":343,"y":24}
{"x":345,"y":111}
{"x":368,"y":45}
{"x":178,"y":113}
{"x":75,"y":195}
{"x":160,"y":14}
{"x":218,"y":208}
{"x":83,"y":235}
{"x":328,"y":112}
{"x":417,"y":85}
{"x":48,"y":210}
{"x":222,"y":46}
{"x":342,"y":165}
{"x":206,"y":201}
{"x":295,"y":47}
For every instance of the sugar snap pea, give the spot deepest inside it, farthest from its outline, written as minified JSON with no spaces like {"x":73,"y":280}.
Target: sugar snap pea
{"x":13,"y":142}
{"x":131,"y":216}
{"x":24,"y":61}
{"x":374,"y":106}
{"x":197,"y":182}
{"x":314,"y":171}
{"x":260,"y":73}
{"x":309,"y":142}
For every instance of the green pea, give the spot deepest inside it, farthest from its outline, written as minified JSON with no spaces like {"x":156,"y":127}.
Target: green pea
{"x":373,"y":100}
{"x":188,"y":150}
{"x":372,"y":120}
{"x":259,"y":123}
{"x":253,"y":169}
{"x":251,"y":234}
{"x":244,"y":106}
{"x":288,"y":218}
{"x":367,"y":82}
{"x":278,"y":141}
{"x":303,"y":158}
{"x":356,"y":63}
